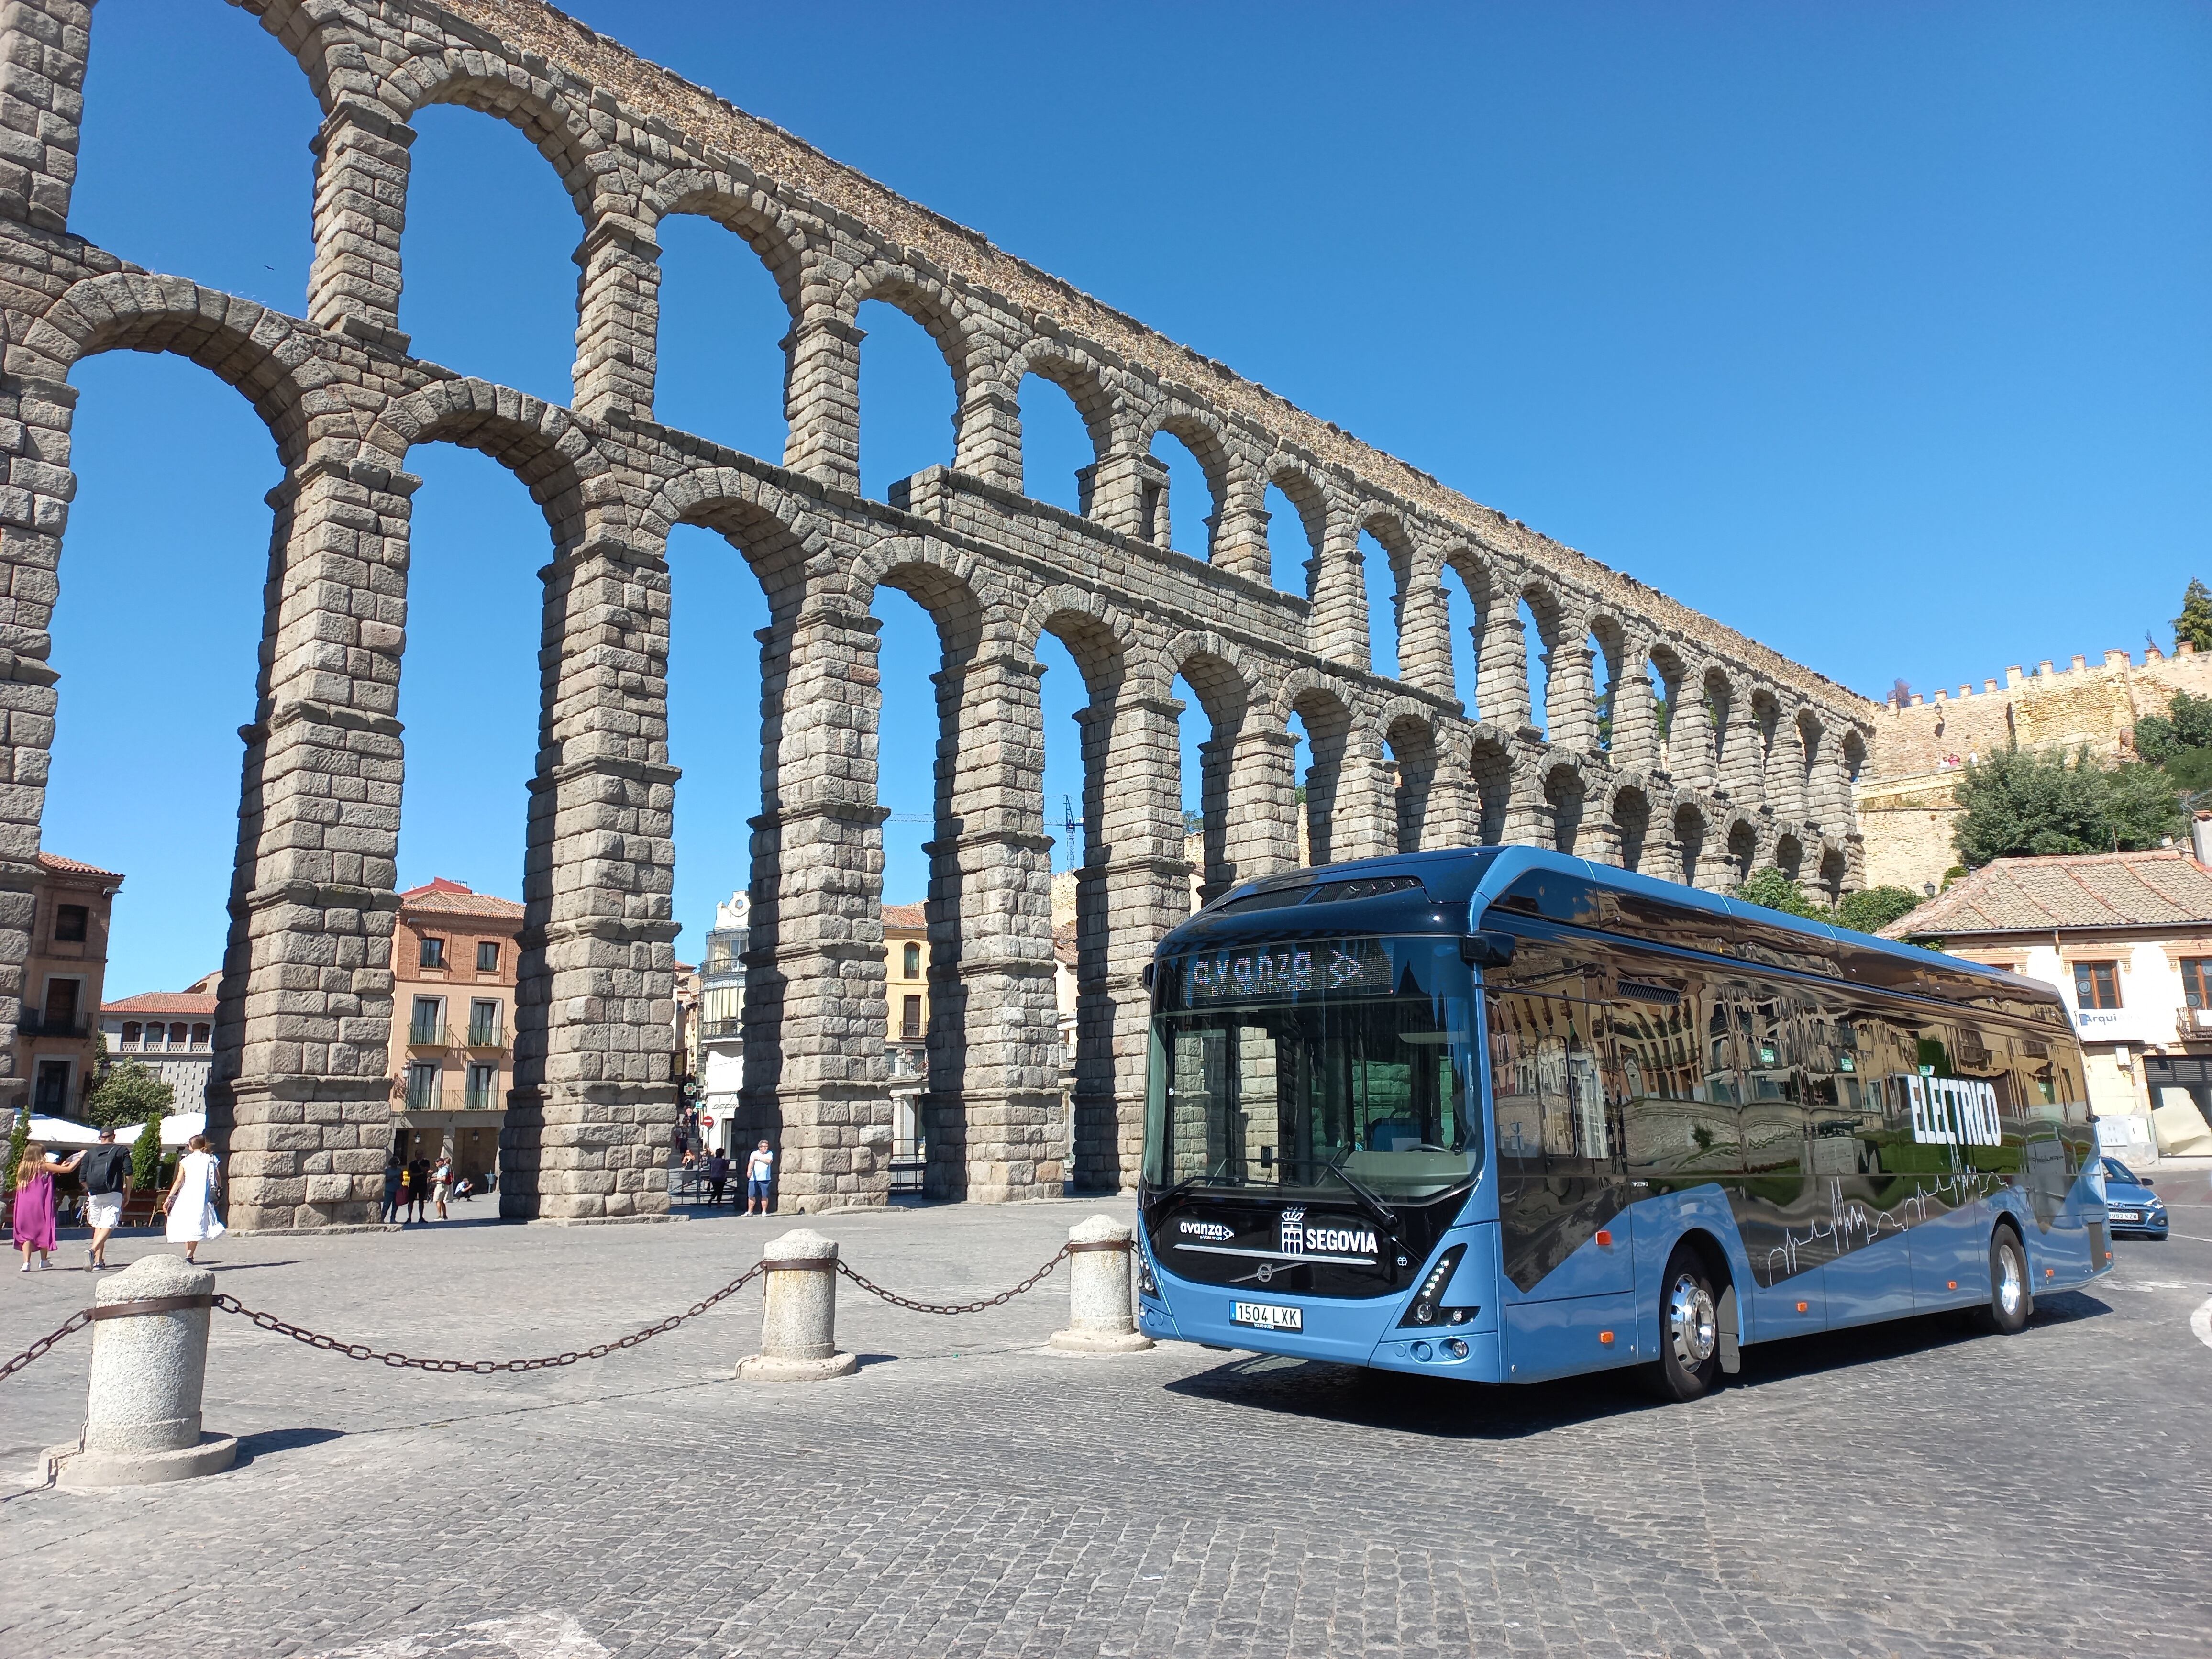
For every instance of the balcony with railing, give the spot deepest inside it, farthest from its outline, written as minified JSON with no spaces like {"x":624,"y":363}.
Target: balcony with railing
{"x":488,"y":1033}
{"x":430,"y":1035}
{"x":2193,"y":1024}
{"x":32,"y":1025}
{"x":482,"y":1094}
{"x":426,"y":1089}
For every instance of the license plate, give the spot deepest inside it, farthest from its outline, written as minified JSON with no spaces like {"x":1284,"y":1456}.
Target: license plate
{"x":2127,"y":1215}
{"x":1267,"y":1317}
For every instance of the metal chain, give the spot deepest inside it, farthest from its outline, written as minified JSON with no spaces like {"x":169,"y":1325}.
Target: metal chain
{"x":77,"y":1322}
{"x":912,"y":1306}
{"x":486,"y":1367}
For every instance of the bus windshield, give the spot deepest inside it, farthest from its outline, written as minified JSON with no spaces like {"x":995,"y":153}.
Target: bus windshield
{"x":1312,"y":1064}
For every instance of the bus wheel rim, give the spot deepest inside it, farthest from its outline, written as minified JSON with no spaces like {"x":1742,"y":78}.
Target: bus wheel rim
{"x":2011,"y":1280}
{"x":1692,"y":1323}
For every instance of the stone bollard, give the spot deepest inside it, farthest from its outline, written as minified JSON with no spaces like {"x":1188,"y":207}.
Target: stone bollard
{"x":799,"y":1314}
{"x":1101,"y":1309}
{"x":149,"y":1342}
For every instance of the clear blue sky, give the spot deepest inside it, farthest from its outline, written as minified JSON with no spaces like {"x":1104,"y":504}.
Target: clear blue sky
{"x":1879,"y":331}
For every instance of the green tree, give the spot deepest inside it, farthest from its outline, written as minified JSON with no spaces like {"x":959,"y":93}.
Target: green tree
{"x":2194,"y":624}
{"x":18,"y":1138}
{"x":146,"y":1156}
{"x":2019,"y":804}
{"x":1776,"y":891}
{"x":1873,"y":909}
{"x":127,"y":1094}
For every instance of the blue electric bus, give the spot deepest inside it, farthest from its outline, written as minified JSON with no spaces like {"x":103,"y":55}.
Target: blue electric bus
{"x":1501,"y":1114}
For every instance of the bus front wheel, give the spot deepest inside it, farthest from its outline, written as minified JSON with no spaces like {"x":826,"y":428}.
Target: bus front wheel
{"x":1689,"y":1365}
{"x":2011,"y":1300}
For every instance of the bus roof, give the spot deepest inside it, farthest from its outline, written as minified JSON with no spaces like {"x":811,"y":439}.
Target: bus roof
{"x":1484,"y":878}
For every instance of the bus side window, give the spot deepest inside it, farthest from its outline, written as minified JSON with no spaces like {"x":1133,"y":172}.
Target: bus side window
{"x":1546,"y":1087}
{"x":1771,"y":1118}
{"x":1674,"y":1122}
{"x":1844,"y":1104}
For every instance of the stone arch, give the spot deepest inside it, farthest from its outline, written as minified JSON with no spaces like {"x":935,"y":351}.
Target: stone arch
{"x":1739,"y":849}
{"x":1082,"y":378}
{"x":1788,"y":854}
{"x":753,"y":216}
{"x":1690,"y":838}
{"x":1612,"y":645}
{"x":1631,"y":817}
{"x":1310,"y":497}
{"x":1565,"y":791}
{"x":1410,"y":730}
{"x":541,"y":443}
{"x":1724,"y":725}
{"x":489,"y":85}
{"x":1667,"y":663}
{"x":1834,"y":871}
{"x":1490,"y":767}
{"x":324,"y":48}
{"x":777,"y":536}
{"x":1326,"y":707}
{"x":1224,"y":681}
{"x":269,"y":358}
{"x":1418,"y":611}
{"x":1813,"y":741}
{"x":1200,"y":431}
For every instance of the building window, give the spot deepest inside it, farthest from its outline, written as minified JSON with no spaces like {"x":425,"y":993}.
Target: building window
{"x":70,"y":922}
{"x":433,"y":952}
{"x":2097,"y":985}
{"x":911,"y":960}
{"x":429,"y":1015}
{"x":423,"y":1090}
{"x":487,"y":956}
{"x":52,"y":1098}
{"x":483,"y":1088}
{"x":483,"y":1024}
{"x":200,"y":1036}
{"x":177,"y":1034}
{"x":131,"y":1032}
{"x":2197,"y":981}
{"x":910,"y":1017}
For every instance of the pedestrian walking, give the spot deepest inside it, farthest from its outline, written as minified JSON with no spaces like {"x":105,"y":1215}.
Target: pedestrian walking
{"x":442,"y":1181}
{"x":106,"y":1170}
{"x":34,"y":1203}
{"x":759,"y":1169}
{"x":718,"y":1178}
{"x":395,"y":1180}
{"x":189,"y":1206}
{"x":406,"y":1192}
{"x":418,"y":1188}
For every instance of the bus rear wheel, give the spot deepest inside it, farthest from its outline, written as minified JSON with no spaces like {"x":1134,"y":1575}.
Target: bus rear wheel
{"x":2011,"y":1300}
{"x":1689,"y":1365}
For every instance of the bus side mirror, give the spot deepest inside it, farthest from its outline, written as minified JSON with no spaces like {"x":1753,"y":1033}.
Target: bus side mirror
{"x":1148,"y":977}
{"x":1486,"y":950}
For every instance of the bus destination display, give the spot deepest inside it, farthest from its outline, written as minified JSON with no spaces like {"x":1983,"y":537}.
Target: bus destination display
{"x":1350,"y":967}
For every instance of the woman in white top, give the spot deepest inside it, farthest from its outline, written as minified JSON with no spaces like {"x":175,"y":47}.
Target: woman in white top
{"x":189,"y":1206}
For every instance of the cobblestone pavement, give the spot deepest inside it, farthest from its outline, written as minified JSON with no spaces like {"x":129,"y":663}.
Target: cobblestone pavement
{"x":1903,"y":1491}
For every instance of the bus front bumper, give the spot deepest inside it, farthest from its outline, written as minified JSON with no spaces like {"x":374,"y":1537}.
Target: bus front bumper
{"x":1349,"y":1332}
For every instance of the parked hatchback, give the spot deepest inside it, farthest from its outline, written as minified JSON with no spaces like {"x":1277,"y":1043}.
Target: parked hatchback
{"x":2134,"y":1207}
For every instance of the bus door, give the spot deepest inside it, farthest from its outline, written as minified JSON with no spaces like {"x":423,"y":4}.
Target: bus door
{"x":1567,"y":1278}
{"x":1869,"y":1271}
{"x":1778,"y":1211}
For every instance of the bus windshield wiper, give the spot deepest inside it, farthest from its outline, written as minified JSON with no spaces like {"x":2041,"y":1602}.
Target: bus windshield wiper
{"x":1369,"y":1200}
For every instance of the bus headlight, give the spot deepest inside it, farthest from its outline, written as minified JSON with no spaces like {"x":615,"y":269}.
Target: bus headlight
{"x":1425,"y":1309}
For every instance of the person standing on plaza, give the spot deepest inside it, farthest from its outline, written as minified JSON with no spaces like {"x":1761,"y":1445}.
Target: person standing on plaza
{"x":441,"y":1182}
{"x":34,"y":1203}
{"x":106,"y":1170}
{"x":395,"y":1180}
{"x":759,"y":1169}
{"x":418,"y":1188}
{"x":718,"y":1178}
{"x":189,"y":1206}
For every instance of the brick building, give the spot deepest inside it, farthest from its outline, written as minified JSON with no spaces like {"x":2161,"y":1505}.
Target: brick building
{"x":2126,"y":938}
{"x":64,"y":976}
{"x":454,"y":977}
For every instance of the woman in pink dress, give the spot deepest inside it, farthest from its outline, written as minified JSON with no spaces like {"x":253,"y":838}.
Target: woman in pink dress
{"x":34,"y":1203}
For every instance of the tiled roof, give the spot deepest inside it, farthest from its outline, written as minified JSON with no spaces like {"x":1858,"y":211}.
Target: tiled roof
{"x":61,"y":867}
{"x":452,"y":898}
{"x":2085,"y":890}
{"x":1063,"y":943}
{"x":904,"y":915}
{"x":161,"y":1002}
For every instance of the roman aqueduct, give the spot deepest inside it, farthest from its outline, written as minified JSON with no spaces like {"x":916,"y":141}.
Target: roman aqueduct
{"x":1754,"y":768}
